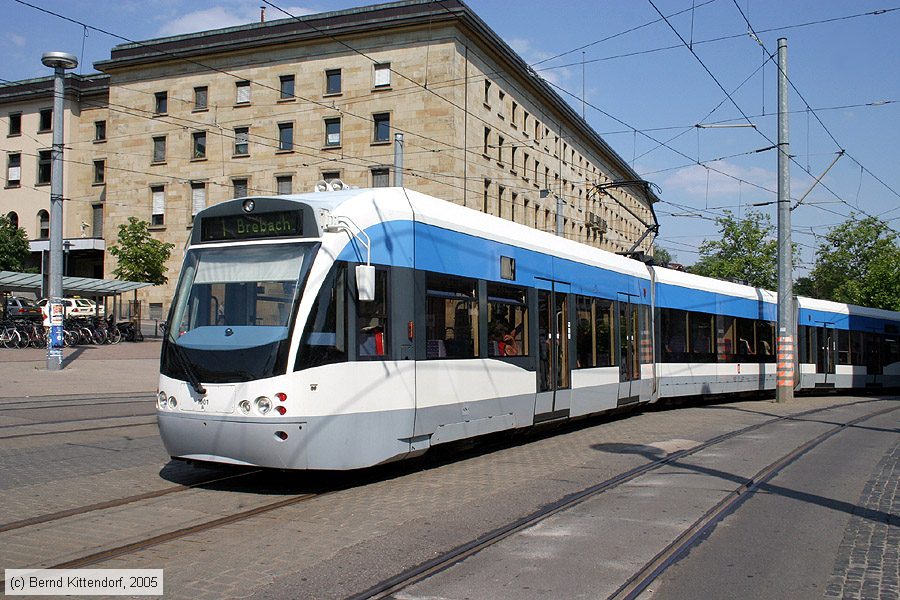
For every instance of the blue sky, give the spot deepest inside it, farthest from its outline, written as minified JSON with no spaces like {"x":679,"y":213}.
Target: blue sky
{"x":641,"y":88}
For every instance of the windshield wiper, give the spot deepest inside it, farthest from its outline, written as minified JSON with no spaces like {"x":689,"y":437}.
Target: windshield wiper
{"x":193,"y":378}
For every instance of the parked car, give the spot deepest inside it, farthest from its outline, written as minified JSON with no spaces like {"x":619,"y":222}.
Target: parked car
{"x":78,"y":307}
{"x":22,"y":308}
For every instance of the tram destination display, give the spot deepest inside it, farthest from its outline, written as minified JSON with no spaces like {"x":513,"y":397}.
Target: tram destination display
{"x":252,"y":226}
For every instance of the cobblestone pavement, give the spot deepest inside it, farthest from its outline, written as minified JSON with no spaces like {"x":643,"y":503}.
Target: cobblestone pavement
{"x":868,"y":561}
{"x":369,"y":527}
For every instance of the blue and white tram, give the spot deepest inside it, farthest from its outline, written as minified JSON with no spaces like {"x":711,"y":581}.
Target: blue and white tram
{"x":346,"y":329}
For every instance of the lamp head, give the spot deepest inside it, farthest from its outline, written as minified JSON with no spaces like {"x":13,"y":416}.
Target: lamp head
{"x":63,"y":60}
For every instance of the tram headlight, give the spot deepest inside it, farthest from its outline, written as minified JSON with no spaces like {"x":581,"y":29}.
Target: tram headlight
{"x":263,"y":405}
{"x":162,"y":400}
{"x":173,"y":402}
{"x":244,"y":405}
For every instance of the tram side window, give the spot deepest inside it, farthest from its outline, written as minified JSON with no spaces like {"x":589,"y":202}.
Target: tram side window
{"x":805,"y":345}
{"x":746,"y":340}
{"x":843,"y":346}
{"x":856,"y":348}
{"x":874,"y":350}
{"x":701,"y":327}
{"x":673,"y":334}
{"x":585,"y":348}
{"x":891,"y":349}
{"x":765,"y":341}
{"x":372,"y":320}
{"x":594,"y":341}
{"x":603,"y":324}
{"x":725,"y":340}
{"x":324,"y":339}
{"x":507,"y":320}
{"x":451,"y":307}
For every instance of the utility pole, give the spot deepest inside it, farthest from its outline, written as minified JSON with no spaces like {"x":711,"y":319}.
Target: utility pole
{"x":398,"y":160}
{"x":59,"y":61}
{"x":784,"y":390}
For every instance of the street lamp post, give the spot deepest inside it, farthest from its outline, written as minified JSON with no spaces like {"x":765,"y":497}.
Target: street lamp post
{"x":59,"y":62}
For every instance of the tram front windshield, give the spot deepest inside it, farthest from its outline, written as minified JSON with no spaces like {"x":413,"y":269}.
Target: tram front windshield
{"x":231,"y":319}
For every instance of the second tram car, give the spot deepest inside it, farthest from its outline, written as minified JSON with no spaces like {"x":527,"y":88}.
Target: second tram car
{"x":351,"y":328}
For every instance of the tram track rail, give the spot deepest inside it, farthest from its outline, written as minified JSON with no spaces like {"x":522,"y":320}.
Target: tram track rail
{"x":79,"y":403}
{"x":432,"y":566}
{"x":638,"y":582}
{"x":80,"y":430}
{"x":80,"y":420}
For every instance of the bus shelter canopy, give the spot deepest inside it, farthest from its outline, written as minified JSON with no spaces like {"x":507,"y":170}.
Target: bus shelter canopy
{"x":10,"y":281}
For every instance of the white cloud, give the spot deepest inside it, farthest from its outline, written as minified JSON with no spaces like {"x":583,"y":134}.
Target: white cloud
{"x":532,"y":55}
{"x":16,"y":40}
{"x":692,"y":181}
{"x":218,"y":17}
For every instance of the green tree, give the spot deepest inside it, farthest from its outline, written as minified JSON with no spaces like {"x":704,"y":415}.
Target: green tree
{"x":662,"y":257}
{"x":745,"y":251}
{"x":858,"y":262}
{"x":140,"y":257}
{"x":13,"y":246}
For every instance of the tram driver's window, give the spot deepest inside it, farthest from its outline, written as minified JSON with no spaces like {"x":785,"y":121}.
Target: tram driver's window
{"x":451,"y":306}
{"x":372,"y":320}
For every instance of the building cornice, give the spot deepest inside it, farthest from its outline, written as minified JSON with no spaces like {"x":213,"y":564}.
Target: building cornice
{"x":76,"y":86}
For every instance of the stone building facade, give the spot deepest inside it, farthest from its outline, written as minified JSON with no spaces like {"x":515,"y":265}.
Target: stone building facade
{"x":26,"y":119}
{"x":274,"y":107}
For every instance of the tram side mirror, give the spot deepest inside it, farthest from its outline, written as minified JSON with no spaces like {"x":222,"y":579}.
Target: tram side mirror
{"x":365,"y":282}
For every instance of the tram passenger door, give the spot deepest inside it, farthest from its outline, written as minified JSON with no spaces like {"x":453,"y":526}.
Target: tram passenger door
{"x":826,"y":339}
{"x":628,"y":318}
{"x":554,"y":371}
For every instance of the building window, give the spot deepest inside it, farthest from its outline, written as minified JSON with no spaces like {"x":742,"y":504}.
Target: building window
{"x":381,"y":177}
{"x":158,"y":205}
{"x":161,"y":105}
{"x":46,"y":120}
{"x":201,"y":98}
{"x":286,"y":136}
{"x":243,"y":92}
{"x":284,"y":184}
{"x":525,"y":122}
{"x":485,"y":200}
{"x":500,"y":141}
{"x":43,"y":170}
{"x":333,"y":81}
{"x":502,"y":101}
{"x":99,"y":131}
{"x":15,"y":123}
{"x":501,"y":192}
{"x":43,"y":224}
{"x":240,"y":187}
{"x":159,"y":149}
{"x":487,"y":91}
{"x":382,"y":127}
{"x":198,"y":197}
{"x":241,"y":141}
{"x":329,"y":175}
{"x":199,"y":145}
{"x":487,"y":140}
{"x":333,"y":132}
{"x":14,"y":170}
{"x":514,"y":115}
{"x":13,"y":219}
{"x":99,"y":171}
{"x":96,"y":220}
{"x":512,"y":159}
{"x":383,"y":75}
{"x":286,"y":87}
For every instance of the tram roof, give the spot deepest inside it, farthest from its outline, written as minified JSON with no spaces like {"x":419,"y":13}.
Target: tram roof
{"x":11,"y":281}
